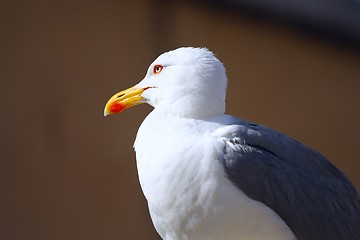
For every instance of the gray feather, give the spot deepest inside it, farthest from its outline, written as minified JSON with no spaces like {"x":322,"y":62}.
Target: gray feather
{"x":309,"y":193}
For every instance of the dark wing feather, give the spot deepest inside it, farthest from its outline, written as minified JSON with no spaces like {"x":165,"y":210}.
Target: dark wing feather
{"x":308,"y":192}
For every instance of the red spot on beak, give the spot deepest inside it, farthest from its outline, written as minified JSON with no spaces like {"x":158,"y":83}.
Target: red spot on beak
{"x":116,"y":108}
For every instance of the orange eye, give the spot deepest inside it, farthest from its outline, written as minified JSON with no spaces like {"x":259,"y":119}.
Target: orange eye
{"x":157,"y":69}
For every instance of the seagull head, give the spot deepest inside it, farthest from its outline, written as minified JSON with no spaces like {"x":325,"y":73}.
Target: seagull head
{"x":186,"y":82}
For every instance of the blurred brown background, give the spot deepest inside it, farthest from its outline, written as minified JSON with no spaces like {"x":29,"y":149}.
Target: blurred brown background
{"x":69,"y":173}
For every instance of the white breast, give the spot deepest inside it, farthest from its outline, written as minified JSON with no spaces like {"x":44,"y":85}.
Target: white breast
{"x":188,"y":194}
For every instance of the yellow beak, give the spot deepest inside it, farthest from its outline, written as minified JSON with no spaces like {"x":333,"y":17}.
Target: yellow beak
{"x":123,"y":100}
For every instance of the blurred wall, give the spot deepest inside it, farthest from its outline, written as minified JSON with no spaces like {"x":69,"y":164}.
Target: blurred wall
{"x":69,"y":173}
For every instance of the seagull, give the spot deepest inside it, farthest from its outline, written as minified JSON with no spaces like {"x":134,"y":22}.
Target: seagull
{"x":210,"y":176}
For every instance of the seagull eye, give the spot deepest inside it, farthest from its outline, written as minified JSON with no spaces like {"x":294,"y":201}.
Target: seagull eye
{"x":157,"y":69}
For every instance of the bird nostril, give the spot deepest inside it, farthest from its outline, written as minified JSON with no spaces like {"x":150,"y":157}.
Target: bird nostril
{"x":120,"y":95}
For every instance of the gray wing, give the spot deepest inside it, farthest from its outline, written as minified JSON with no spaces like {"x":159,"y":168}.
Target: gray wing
{"x":308,"y":192}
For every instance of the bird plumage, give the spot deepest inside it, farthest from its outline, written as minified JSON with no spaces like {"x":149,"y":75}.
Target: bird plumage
{"x":310,"y":194}
{"x":184,"y":182}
